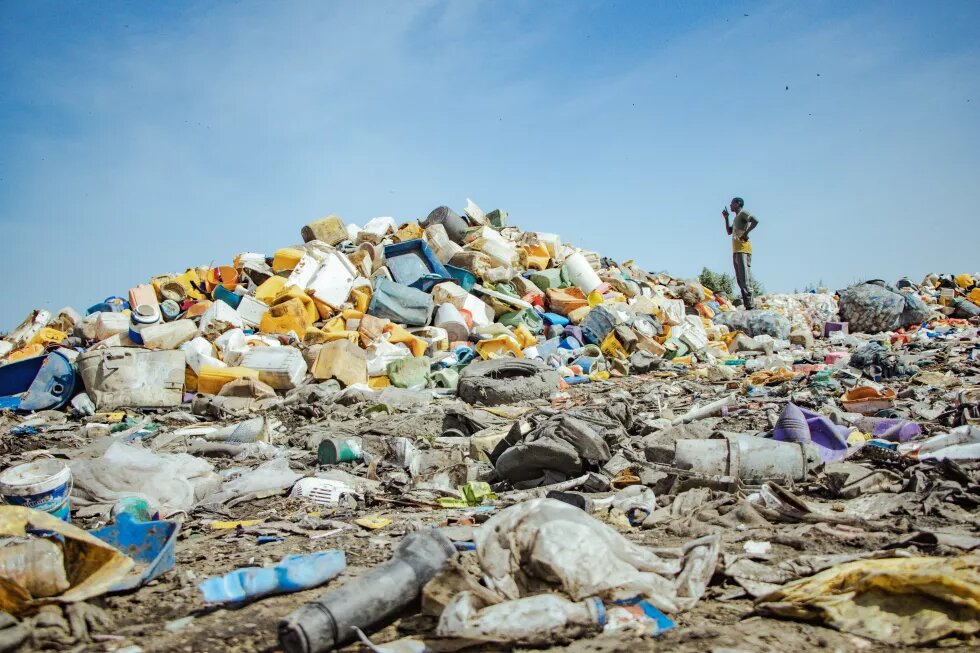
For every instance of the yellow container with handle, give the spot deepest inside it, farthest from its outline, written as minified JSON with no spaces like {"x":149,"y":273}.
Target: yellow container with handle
{"x":212,"y":379}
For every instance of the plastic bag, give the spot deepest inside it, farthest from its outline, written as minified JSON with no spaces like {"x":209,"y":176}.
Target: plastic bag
{"x":874,"y":307}
{"x":269,"y":476}
{"x":169,"y":482}
{"x":755,"y":323}
{"x":545,"y":544}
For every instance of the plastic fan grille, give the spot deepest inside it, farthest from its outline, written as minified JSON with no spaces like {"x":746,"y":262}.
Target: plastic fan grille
{"x":320,"y":490}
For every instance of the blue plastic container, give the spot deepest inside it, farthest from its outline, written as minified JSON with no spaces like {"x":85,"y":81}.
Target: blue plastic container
{"x":109,"y":305}
{"x":48,"y":382}
{"x":413,"y":264}
{"x":464,"y":278}
{"x":556,"y":319}
{"x":223,"y":294}
{"x":400,"y":303}
{"x":150,"y":543}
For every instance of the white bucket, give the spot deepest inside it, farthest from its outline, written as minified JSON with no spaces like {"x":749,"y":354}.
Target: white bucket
{"x":43,"y":485}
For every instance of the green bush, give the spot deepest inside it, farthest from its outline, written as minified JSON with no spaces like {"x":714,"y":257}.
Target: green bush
{"x":720,"y":283}
{"x":723,"y":284}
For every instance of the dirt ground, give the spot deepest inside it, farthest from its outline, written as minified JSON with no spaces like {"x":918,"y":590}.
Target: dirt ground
{"x":169,"y":614}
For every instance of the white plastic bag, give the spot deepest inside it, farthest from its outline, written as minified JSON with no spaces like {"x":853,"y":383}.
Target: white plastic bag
{"x":269,"y":476}
{"x":545,"y":544}
{"x":170,"y":483}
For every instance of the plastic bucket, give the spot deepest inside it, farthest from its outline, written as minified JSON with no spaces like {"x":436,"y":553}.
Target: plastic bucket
{"x":43,"y":485}
{"x":170,"y":310}
{"x":339,"y":450}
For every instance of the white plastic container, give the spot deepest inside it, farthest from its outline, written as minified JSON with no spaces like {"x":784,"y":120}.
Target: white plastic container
{"x":323,"y":491}
{"x":29,"y":328}
{"x":334,"y":280}
{"x":219,"y":318}
{"x":553,"y":243}
{"x":251,"y":310}
{"x":581,"y":274}
{"x":303,"y":273}
{"x":376,"y":229}
{"x":502,"y":254}
{"x":481,"y":312}
{"x":200,"y":352}
{"x":444,"y":248}
{"x":43,"y":485}
{"x":168,"y":335}
{"x":449,"y":293}
{"x":449,"y":318}
{"x":437,"y":338}
{"x":283,"y":368}
{"x":142,"y":316}
{"x":111,"y":324}
{"x":119,"y":377}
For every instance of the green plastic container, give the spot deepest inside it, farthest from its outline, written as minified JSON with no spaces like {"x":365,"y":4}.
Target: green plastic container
{"x":339,"y":450}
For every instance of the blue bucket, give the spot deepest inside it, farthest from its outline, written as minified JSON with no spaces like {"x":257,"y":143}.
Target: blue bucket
{"x":43,"y":485}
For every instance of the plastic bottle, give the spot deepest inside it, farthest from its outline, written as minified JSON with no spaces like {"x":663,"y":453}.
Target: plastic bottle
{"x":368,"y":601}
{"x":534,"y":620}
{"x":581,"y":273}
{"x":293,"y":573}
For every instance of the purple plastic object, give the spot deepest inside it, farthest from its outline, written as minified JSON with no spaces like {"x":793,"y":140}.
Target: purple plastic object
{"x":800,"y":425}
{"x":890,"y":428}
{"x":831,"y":327}
{"x":574,"y":332}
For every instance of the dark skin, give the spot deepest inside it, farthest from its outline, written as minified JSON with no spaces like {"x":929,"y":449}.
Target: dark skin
{"x":736,"y":207}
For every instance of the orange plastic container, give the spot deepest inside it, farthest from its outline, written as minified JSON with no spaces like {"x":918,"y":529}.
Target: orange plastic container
{"x":143,"y":294}
{"x":223,"y":275}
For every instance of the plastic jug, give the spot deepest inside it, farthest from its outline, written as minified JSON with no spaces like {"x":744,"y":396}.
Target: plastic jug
{"x":400,"y":303}
{"x":581,"y":274}
{"x":289,"y":316}
{"x":286,"y":258}
{"x":282,"y":368}
{"x":268,"y":289}
{"x":499,"y":347}
{"x":341,"y":360}
{"x":211,"y":379}
{"x":110,"y":324}
{"x":330,"y":230}
{"x":251,"y":310}
{"x":333,"y":281}
{"x":168,"y":335}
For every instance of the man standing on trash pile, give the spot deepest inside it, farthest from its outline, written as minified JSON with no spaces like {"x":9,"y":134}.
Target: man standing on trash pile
{"x":739,"y":229}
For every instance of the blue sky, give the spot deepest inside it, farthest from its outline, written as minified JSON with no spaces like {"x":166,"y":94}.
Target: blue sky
{"x":140,"y":138}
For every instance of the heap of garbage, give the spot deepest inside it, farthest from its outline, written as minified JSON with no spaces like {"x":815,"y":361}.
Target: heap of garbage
{"x":544,"y":444}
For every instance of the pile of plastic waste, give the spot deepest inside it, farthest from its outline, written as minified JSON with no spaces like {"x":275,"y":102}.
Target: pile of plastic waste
{"x":525,"y":441}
